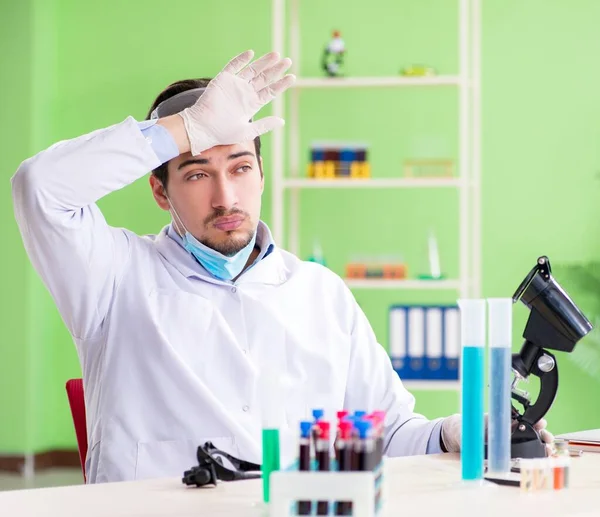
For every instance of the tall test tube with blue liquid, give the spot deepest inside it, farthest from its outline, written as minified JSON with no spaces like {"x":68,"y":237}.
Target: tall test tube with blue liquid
{"x":499,"y":424}
{"x":472,"y":326}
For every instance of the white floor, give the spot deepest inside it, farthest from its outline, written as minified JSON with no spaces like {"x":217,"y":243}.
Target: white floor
{"x":44,"y":478}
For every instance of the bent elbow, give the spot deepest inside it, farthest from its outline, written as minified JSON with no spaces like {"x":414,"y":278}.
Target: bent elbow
{"x":23,"y":182}
{"x":28,"y":193}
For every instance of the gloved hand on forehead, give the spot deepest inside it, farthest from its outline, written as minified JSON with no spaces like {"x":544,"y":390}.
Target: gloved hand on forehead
{"x":452,"y":432}
{"x":221,"y":116}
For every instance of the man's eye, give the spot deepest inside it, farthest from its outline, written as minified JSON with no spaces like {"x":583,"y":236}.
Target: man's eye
{"x":244,"y":168}
{"x":195,"y":177}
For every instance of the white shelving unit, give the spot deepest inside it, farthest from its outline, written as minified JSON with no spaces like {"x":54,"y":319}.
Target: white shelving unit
{"x":467,"y":184}
{"x":287,"y":175}
{"x":297,"y":183}
{"x":402,"y":284}
{"x":377,"y":82}
{"x":431,"y":385}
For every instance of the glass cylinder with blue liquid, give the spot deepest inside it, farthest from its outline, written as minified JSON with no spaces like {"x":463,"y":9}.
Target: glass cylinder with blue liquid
{"x":472,"y":319}
{"x":499,"y":420}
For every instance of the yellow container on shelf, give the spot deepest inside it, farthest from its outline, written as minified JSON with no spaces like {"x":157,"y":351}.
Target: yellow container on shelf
{"x":360,"y":170}
{"x":319,"y":170}
{"x":329,"y":170}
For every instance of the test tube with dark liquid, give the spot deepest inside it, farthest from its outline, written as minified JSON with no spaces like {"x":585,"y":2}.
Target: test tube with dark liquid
{"x":304,"y":507}
{"x":322,"y":448}
{"x":364,"y":447}
{"x":343,"y":448}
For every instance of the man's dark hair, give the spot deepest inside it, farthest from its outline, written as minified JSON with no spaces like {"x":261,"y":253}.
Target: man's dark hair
{"x":162,"y":172}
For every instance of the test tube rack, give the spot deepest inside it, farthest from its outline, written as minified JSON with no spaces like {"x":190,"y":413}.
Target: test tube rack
{"x":358,"y":487}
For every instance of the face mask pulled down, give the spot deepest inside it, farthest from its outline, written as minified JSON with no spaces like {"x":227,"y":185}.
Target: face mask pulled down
{"x":217,"y":264}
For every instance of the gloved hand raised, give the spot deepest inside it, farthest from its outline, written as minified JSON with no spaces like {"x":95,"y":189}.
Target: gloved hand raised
{"x":222,"y":114}
{"x":452,"y":431}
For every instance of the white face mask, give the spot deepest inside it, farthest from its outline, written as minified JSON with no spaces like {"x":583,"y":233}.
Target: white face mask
{"x":217,"y":264}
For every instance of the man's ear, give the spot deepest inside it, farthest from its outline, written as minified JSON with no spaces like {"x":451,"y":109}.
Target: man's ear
{"x":159,"y":193}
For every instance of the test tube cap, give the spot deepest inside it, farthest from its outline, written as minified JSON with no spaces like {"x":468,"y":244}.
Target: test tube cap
{"x":305,"y":428}
{"x":324,"y":428}
{"x":318,"y":413}
{"x":363,"y":427}
{"x":359,"y":414}
{"x":342,"y":414}
{"x":472,"y":321}
{"x":345,"y":429}
{"x":500,"y":322}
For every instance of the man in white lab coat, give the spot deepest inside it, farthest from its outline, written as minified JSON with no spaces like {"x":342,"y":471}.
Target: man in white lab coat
{"x":173,"y":330}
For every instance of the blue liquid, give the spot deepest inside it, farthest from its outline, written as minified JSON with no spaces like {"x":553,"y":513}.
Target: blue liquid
{"x":499,"y":417}
{"x":472,"y":413}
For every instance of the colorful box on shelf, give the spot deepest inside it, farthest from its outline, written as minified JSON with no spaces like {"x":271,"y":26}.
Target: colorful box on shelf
{"x":388,"y":269}
{"x":338,"y":160}
{"x":424,"y":341}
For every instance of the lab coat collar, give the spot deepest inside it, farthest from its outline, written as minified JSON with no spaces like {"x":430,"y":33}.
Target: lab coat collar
{"x":268,"y":269}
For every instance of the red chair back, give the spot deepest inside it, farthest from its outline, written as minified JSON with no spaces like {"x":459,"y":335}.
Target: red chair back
{"x":77,"y":404}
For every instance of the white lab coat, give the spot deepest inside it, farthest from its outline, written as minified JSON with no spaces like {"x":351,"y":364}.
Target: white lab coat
{"x":170,"y":357}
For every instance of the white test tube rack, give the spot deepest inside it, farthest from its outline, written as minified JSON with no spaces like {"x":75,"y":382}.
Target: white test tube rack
{"x":289,"y":486}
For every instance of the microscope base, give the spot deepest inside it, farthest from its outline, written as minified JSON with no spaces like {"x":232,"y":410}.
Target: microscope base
{"x":526,"y":442}
{"x":531,"y":449}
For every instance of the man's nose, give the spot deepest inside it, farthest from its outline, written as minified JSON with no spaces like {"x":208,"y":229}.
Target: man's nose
{"x":224,"y":194}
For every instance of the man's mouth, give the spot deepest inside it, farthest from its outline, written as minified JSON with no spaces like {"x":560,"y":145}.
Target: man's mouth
{"x":229,"y":223}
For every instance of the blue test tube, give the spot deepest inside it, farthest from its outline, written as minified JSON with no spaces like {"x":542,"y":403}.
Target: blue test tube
{"x":472,"y":324}
{"x":499,"y":423}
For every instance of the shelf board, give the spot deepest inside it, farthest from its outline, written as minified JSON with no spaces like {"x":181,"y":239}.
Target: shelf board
{"x":376,"y":82}
{"x":377,"y":283}
{"x":414,"y":385}
{"x":297,"y":183}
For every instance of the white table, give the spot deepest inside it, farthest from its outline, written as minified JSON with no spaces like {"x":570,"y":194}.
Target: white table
{"x":418,"y":485}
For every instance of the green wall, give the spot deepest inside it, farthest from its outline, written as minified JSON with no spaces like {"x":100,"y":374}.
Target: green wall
{"x":15,"y":144}
{"x":70,"y":67}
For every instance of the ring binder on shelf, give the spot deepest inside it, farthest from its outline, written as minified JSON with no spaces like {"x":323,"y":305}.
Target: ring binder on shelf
{"x":424,"y":341}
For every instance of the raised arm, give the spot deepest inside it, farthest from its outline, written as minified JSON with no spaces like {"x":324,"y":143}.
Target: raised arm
{"x":78,"y":256}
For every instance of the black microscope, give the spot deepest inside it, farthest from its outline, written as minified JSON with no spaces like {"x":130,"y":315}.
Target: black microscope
{"x":554,"y":323}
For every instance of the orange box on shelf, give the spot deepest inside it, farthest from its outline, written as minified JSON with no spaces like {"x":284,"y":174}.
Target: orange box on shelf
{"x":384,"y":270}
{"x":356,"y":271}
{"x":394,"y":271}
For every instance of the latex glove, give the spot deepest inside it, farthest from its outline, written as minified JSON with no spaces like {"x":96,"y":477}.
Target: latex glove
{"x":222,"y":114}
{"x":451,"y":432}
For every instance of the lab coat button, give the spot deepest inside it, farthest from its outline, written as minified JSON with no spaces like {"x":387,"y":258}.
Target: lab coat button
{"x":234,"y":289}
{"x":245,"y":408}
